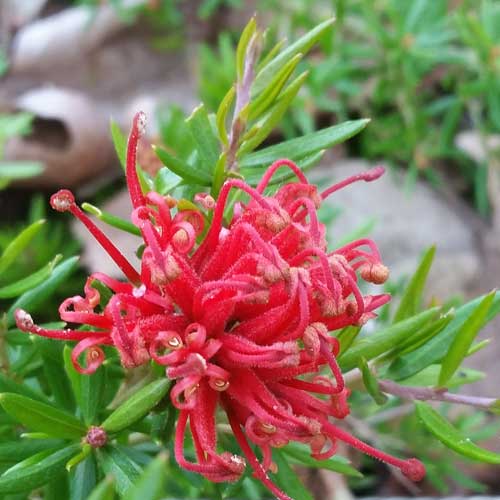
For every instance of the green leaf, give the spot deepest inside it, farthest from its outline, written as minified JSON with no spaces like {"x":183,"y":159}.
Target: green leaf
{"x":33,"y":298}
{"x":189,"y":173}
{"x":371,"y":383}
{"x":287,"y":479}
{"x":40,"y":469}
{"x":220,"y":117}
{"x":120,"y":143}
{"x":412,"y":296}
{"x":166,"y":181}
{"x":105,"y":490}
{"x":205,"y":138}
{"x":137,"y":406}
{"x":305,"y":145}
{"x":119,"y":465}
{"x":15,"y":124}
{"x":20,"y":169}
{"x":8,"y":385}
{"x":301,"y":454}
{"x":18,"y":244}
{"x":478,"y":346}
{"x":451,"y":437}
{"x":347,"y":336}
{"x":57,"y":488}
{"x":23,"y":285}
{"x":88,"y":389}
{"x":74,"y":377}
{"x":51,"y":352}
{"x":419,"y":338}
{"x":437,"y":347}
{"x":303,"y":45}
{"x":464,"y":338}
{"x":271,"y":120}
{"x":111,"y":219}
{"x":42,"y":417}
{"x":241,"y":50}
{"x":14,"y":451}
{"x":83,"y":479}
{"x":428,"y":377}
{"x":379,"y":342}
{"x":271,"y":92}
{"x":150,"y":484}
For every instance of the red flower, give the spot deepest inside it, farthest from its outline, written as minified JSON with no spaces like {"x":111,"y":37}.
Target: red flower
{"x":240,"y":316}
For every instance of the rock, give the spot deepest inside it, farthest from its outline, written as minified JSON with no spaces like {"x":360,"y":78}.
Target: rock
{"x":471,"y":143}
{"x":69,"y":135}
{"x":407,"y":223}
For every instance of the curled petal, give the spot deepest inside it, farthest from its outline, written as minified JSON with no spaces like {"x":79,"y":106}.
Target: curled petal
{"x":95,"y":355}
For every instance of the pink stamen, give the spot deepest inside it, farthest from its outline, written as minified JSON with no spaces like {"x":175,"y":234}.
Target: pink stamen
{"x":368,"y":176}
{"x":412,"y":468}
{"x":274,"y":167}
{"x":64,"y":201}
{"x":257,"y":467}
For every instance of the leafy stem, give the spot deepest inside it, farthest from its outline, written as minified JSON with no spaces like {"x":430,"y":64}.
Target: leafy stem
{"x":242,"y":100}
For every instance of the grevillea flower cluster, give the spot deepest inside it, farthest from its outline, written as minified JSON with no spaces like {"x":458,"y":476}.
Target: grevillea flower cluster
{"x":238,"y":304}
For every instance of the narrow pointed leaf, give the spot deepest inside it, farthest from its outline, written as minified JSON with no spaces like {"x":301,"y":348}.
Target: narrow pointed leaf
{"x":452,"y":437}
{"x":151,"y":482}
{"x":221,"y":116}
{"x":191,"y":174}
{"x":412,"y":295}
{"x":370,"y":382}
{"x":137,"y":406}
{"x":119,"y":465}
{"x":83,"y":480}
{"x":464,"y":338}
{"x":20,"y":170}
{"x":57,"y":488}
{"x":241,"y":50}
{"x":19,"y":243}
{"x":303,"y":45}
{"x":271,"y":54}
{"x":379,"y":342}
{"x":42,"y":417}
{"x":273,"y":117}
{"x":347,"y":336}
{"x":23,"y":285}
{"x":271,"y":92}
{"x":287,"y":479}
{"x":51,"y":352}
{"x":120,"y":142}
{"x":111,"y":219}
{"x":14,"y":451}
{"x":105,"y":490}
{"x":428,"y":377}
{"x":204,"y":137}
{"x":37,"y":472}
{"x":419,"y":338}
{"x":433,"y":350}
{"x":166,"y":181}
{"x":305,"y":145}
{"x":8,"y":385}
{"x":478,"y":346}
{"x":33,"y":298}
